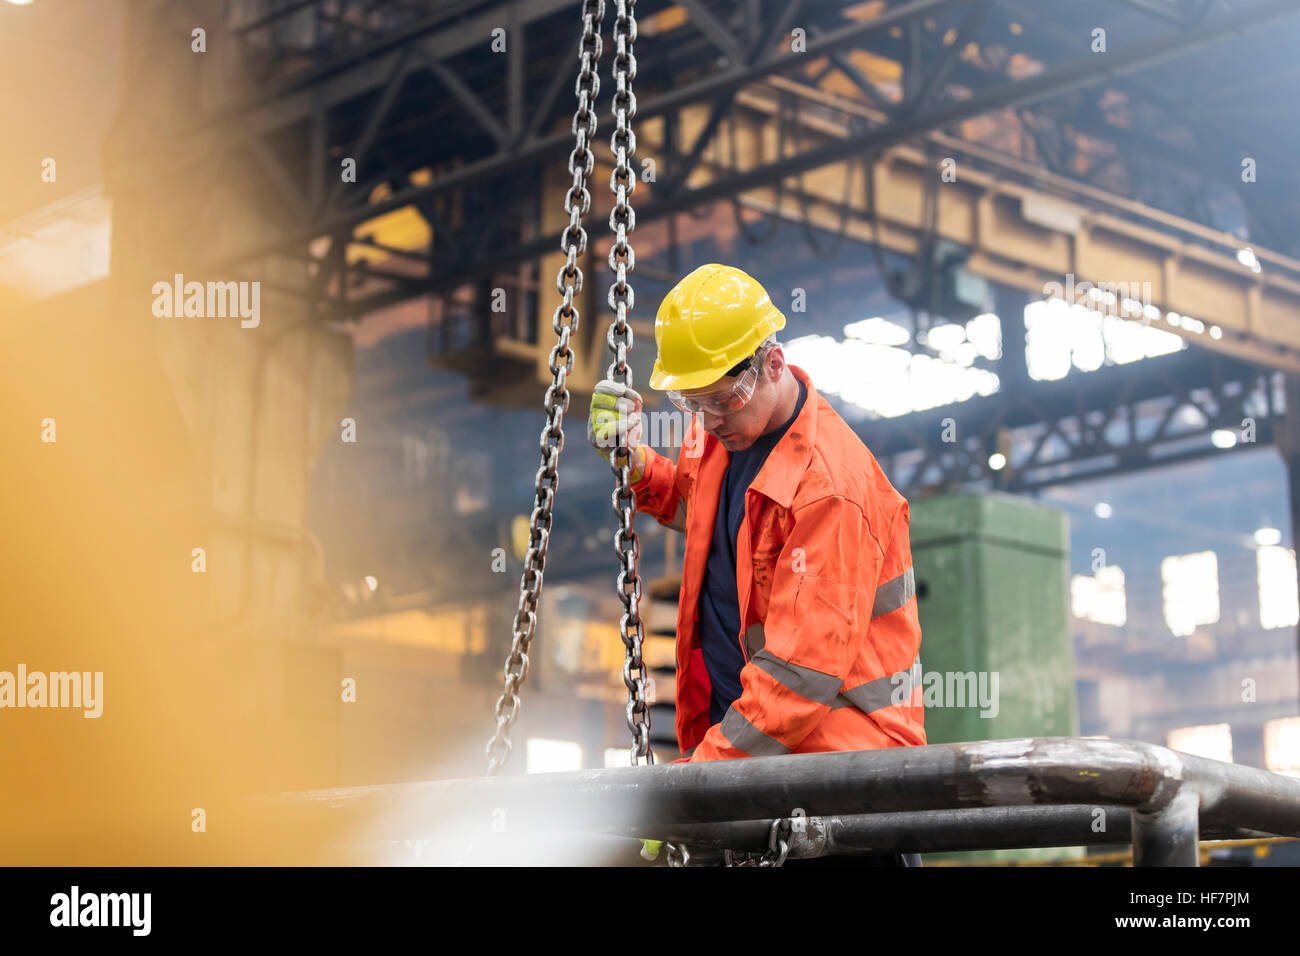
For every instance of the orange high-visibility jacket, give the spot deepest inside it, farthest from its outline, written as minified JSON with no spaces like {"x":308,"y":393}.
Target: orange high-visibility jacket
{"x":827,"y":594}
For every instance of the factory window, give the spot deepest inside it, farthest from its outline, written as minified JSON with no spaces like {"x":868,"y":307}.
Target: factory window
{"x":1100,"y":598}
{"x":901,"y":382}
{"x":1191,"y":591}
{"x":1277,"y":587}
{"x":549,"y":756}
{"x":1094,"y":330}
{"x":1208,"y":740}
{"x":1282,"y":745}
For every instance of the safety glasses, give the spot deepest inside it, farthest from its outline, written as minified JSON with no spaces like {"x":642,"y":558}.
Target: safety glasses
{"x":728,"y":402}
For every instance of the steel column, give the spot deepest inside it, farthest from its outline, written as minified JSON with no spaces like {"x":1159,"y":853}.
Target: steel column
{"x":1287,"y":438}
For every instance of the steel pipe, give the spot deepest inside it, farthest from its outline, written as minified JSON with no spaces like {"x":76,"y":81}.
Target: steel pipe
{"x":660,"y":800}
{"x":1168,"y":836}
{"x":934,"y":831}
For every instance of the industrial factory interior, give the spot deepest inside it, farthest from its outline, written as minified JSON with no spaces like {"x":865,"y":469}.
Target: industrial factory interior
{"x":699,"y":433}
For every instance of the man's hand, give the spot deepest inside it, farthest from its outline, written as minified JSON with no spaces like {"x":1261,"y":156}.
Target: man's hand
{"x":615,"y":413}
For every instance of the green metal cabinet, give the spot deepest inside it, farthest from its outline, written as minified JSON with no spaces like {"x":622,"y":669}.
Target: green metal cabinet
{"x":992,"y":581}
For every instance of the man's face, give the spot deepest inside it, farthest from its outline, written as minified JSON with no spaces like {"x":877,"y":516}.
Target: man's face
{"x":740,"y":429}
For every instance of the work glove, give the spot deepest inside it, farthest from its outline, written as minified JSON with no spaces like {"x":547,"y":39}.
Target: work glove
{"x":615,"y":412}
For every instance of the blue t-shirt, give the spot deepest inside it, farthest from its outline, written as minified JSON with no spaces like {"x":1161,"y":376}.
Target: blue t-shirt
{"x":719,"y":600}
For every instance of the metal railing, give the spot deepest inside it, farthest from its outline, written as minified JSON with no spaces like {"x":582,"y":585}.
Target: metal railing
{"x":1051,"y":791}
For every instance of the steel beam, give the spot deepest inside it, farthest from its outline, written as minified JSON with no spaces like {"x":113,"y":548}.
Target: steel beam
{"x":862,"y":82}
{"x":360,"y":150}
{"x":934,"y":79}
{"x":560,"y":143}
{"x":1288,"y":444}
{"x":542,"y":113}
{"x":467,"y":97}
{"x":719,"y":34}
{"x":834,"y":41}
{"x":681,"y":166}
{"x":1113,"y":394}
{"x":1048,"y":83}
{"x":445,"y":33}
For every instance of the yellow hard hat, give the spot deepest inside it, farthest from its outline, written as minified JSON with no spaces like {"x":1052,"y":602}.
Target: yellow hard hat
{"x":710,"y":321}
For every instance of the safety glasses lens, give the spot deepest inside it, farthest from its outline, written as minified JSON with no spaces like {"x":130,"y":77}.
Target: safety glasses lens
{"x":722,"y":404}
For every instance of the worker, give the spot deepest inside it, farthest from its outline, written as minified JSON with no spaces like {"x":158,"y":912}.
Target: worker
{"x":797,"y":625}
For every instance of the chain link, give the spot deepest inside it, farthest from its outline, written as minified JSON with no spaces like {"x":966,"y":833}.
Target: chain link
{"x":573,"y":243}
{"x":622,"y":260}
{"x":778,"y":848}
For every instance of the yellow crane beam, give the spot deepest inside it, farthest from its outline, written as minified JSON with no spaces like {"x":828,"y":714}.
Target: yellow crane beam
{"x":1024,"y":227}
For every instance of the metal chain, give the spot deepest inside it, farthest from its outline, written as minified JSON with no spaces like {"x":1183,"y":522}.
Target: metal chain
{"x":778,"y":848}
{"x":622,"y":220}
{"x":573,"y":242}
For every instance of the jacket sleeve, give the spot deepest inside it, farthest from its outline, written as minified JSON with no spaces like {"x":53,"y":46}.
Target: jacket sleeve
{"x":820,"y":607}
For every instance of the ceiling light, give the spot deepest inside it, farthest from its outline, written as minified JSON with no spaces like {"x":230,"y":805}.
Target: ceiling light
{"x":1268,"y":537}
{"x":1248,"y":259}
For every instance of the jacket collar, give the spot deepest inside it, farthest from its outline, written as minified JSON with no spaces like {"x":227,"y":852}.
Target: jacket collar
{"x":782,"y":471}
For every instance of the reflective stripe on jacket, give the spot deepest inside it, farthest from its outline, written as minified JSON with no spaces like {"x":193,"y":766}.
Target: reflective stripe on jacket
{"x":827,"y":594}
